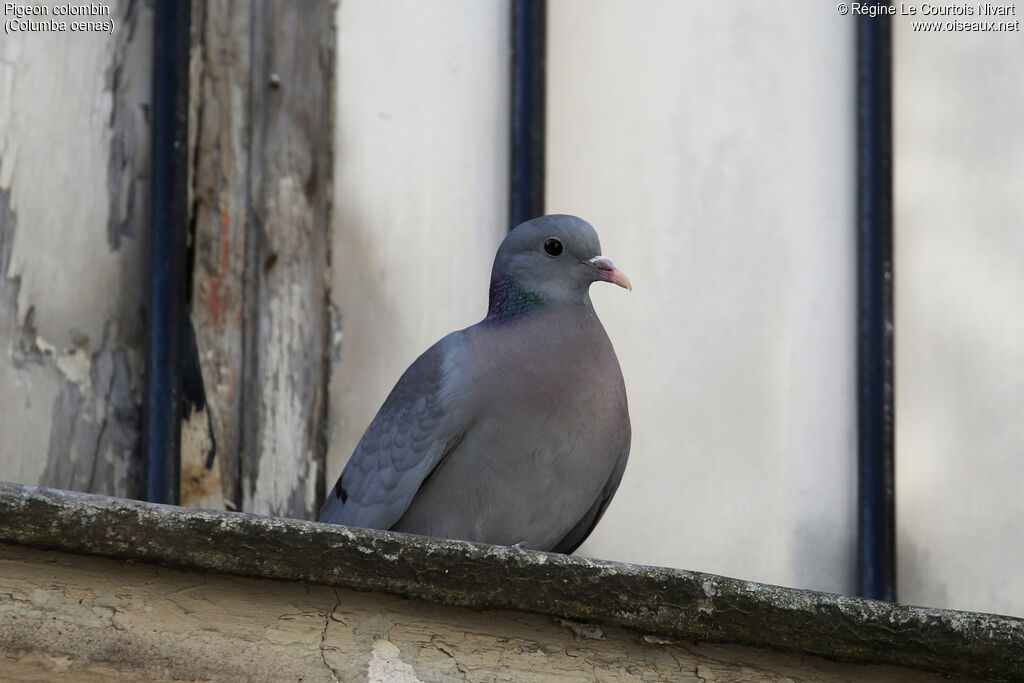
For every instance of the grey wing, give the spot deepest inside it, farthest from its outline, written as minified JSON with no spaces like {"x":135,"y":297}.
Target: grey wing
{"x":574,"y":539}
{"x":418,"y":425}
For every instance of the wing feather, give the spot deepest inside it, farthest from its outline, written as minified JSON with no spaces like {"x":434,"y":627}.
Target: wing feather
{"x":418,"y":425}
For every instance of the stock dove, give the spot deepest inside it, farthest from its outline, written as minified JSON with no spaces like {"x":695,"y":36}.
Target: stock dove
{"x":514,"y":430}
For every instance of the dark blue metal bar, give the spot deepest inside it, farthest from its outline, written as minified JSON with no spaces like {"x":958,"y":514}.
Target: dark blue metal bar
{"x":166,"y":304}
{"x":876,"y":569}
{"x":529,"y":56}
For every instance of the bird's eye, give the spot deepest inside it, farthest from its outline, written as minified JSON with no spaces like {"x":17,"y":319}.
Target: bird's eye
{"x":552,"y":246}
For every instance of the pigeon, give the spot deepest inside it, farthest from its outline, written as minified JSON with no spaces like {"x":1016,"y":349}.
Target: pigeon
{"x":513,"y":431}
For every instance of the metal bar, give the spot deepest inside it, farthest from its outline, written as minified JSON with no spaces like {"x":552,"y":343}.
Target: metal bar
{"x":876,"y":570}
{"x":166,"y":303}
{"x":529,"y":55}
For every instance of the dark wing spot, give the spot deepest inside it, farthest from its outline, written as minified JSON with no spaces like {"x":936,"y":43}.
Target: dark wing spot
{"x":340,"y":492}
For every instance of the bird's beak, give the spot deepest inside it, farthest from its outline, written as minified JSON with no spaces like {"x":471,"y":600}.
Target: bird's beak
{"x":607,"y":271}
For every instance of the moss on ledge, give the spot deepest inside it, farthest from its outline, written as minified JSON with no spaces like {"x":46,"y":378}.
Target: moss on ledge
{"x":670,"y":603}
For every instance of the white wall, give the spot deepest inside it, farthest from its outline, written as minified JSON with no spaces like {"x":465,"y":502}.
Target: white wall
{"x":959,"y":150}
{"x":711,"y":144}
{"x":421,"y":188}
{"x":715,"y":158}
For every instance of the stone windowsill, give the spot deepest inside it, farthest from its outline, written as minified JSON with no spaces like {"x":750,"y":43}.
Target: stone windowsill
{"x":669,"y":603}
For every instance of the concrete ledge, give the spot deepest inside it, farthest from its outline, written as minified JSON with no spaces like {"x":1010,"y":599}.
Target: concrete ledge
{"x":659,"y":602}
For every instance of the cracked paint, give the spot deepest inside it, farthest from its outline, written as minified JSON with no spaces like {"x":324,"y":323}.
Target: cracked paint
{"x":328,"y":616}
{"x":187,"y":625}
{"x":285,"y":480}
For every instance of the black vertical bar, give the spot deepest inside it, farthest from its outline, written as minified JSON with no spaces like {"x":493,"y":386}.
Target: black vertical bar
{"x":166,"y":304}
{"x":876,"y":570}
{"x":529,"y":50}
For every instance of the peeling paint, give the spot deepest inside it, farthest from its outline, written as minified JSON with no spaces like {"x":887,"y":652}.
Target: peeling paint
{"x":28,"y":388}
{"x":8,"y":286}
{"x":260,"y":190}
{"x":95,"y":422}
{"x":591,"y":631}
{"x":219,"y":112}
{"x":88,"y":611}
{"x":285,"y":481}
{"x":201,"y":483}
{"x":217,"y":289}
{"x":386,"y":665}
{"x":71,"y":288}
{"x":337,"y":333}
{"x":130,"y":82}
{"x":64,"y":285}
{"x":74,"y":364}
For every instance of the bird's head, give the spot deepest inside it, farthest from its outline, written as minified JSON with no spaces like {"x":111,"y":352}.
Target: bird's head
{"x":550,"y":260}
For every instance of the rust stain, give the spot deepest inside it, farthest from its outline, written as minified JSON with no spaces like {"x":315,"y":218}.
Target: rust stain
{"x":199,"y":484}
{"x":218,"y":289}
